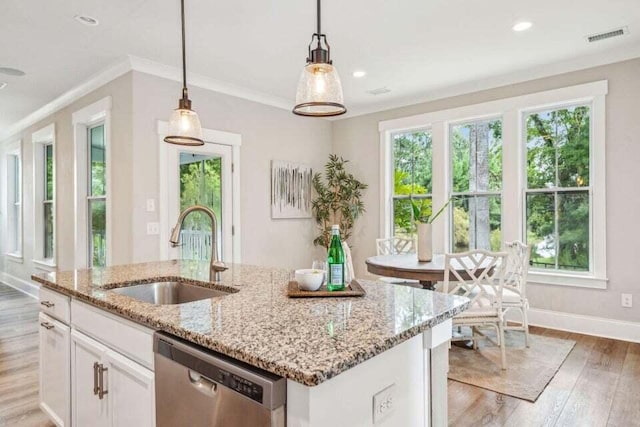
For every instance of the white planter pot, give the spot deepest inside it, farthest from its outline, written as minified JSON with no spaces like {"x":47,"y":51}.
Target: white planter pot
{"x":425,"y":247}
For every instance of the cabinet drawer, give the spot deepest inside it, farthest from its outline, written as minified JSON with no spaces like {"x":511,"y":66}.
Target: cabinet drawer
{"x":131,"y":339}
{"x":55,"y":305}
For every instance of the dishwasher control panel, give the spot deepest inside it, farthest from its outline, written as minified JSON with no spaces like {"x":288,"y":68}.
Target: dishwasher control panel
{"x":239,"y":384}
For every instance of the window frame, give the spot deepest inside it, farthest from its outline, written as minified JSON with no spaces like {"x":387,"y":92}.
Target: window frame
{"x":91,"y":198}
{"x":42,"y":139}
{"x":14,"y":197}
{"x":512,"y":111}
{"x":84,"y":119}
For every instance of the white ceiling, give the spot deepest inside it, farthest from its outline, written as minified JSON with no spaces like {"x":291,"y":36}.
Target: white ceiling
{"x":416,"y":48}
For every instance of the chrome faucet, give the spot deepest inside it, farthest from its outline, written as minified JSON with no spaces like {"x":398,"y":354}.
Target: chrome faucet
{"x":216,"y":266}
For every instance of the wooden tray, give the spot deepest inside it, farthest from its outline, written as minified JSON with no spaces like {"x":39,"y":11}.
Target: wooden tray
{"x":353,"y":290}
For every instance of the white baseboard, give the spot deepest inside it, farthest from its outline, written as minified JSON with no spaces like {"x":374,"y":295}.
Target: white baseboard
{"x":21,"y":285}
{"x":578,"y":323}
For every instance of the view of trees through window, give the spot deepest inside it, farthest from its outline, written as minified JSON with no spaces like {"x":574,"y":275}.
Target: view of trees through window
{"x":476,"y":165}
{"x":200,"y":184}
{"x":48,"y":201}
{"x":558,"y":186}
{"x":97,"y":198}
{"x":412,"y":157}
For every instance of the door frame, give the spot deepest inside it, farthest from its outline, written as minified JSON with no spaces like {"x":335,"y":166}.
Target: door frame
{"x":210,"y":136}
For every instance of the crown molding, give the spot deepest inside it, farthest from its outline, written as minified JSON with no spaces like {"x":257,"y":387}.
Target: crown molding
{"x":134,"y":63}
{"x":67,"y":98}
{"x":198,"y":80}
{"x":520,"y":76}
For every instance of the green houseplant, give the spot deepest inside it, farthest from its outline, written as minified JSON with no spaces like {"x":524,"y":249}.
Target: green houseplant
{"x":338,"y":200}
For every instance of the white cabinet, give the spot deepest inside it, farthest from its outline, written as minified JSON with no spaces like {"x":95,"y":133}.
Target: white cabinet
{"x":54,"y":369}
{"x":108,"y":388}
{"x":132,"y":392}
{"x":88,"y":407}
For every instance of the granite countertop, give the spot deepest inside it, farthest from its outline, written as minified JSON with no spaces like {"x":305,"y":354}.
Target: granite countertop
{"x":306,"y":340}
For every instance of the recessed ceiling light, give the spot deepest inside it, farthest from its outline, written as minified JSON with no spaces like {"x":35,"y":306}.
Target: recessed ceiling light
{"x":11,"y":71}
{"x":86,"y":20}
{"x":522,"y":26}
{"x":3,"y":85}
{"x":359,"y":73}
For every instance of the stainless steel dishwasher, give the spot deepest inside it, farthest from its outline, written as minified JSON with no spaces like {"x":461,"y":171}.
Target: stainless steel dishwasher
{"x":197,"y":387}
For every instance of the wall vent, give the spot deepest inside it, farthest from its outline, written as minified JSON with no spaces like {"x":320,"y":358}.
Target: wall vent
{"x":608,"y":34}
{"x":379,"y":91}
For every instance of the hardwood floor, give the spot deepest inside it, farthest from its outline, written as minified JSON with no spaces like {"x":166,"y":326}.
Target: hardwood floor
{"x":19,"y":360}
{"x":598,"y":384}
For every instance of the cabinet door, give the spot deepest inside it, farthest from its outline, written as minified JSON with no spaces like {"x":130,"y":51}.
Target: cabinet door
{"x":131,"y":392}
{"x":55,"y":374}
{"x":86,"y":407}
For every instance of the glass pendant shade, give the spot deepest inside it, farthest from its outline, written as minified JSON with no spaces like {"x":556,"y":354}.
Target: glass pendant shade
{"x":319,"y":91}
{"x":184,"y":128}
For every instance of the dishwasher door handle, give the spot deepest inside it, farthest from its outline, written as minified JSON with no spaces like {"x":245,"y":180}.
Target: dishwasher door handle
{"x":202,"y":384}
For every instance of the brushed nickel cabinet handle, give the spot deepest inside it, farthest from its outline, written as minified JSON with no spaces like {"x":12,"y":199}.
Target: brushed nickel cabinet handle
{"x":47,"y":304}
{"x":96,"y":387}
{"x":101,"y":390}
{"x":46,"y":325}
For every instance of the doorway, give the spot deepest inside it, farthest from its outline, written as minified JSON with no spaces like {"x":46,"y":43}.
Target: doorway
{"x":204,"y":175}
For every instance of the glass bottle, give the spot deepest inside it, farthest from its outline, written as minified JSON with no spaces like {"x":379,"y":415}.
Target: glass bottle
{"x":335,"y":261}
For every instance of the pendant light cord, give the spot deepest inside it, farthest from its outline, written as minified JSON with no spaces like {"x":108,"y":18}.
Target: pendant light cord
{"x":184,"y":56}
{"x":318,"y":18}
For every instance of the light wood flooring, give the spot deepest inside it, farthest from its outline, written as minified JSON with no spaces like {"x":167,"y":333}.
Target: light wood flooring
{"x":598,"y":384}
{"x":19,"y":360}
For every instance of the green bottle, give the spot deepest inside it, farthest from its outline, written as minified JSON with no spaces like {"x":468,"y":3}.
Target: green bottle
{"x":335,"y":261}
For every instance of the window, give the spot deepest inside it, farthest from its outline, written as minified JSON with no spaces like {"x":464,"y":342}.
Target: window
{"x":15,"y":204}
{"x":412,"y":170}
{"x":48,"y":204}
{"x":528,"y":168}
{"x":476,"y":172}
{"x":558,"y":188}
{"x":96,"y":198}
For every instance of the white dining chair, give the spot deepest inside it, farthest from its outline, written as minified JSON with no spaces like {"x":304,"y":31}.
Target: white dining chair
{"x":479,"y":276}
{"x":394,"y":246}
{"x":514,"y":294}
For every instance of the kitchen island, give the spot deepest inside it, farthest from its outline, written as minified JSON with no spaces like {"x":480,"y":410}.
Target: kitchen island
{"x":336,"y":353}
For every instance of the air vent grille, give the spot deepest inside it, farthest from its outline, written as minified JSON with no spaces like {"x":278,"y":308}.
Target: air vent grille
{"x":607,"y":35}
{"x":379,"y":91}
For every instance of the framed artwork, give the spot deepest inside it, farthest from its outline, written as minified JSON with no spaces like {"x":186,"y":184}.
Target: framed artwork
{"x":291,"y":190}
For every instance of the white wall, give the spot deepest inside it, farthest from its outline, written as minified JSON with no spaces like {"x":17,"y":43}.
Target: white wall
{"x":120,"y":90}
{"x":358,"y":139}
{"x":268,"y":133}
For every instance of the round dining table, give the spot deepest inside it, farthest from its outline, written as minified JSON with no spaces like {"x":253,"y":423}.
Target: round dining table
{"x":407,"y":266}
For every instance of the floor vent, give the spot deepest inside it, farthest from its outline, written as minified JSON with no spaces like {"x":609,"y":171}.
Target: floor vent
{"x":607,"y":35}
{"x":379,"y":91}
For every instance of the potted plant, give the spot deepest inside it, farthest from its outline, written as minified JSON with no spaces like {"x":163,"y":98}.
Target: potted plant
{"x":338,"y":200}
{"x":424,"y":217}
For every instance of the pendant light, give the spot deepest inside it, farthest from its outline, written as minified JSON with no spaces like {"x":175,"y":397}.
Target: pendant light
{"x":184,"y":125}
{"x":319,"y":91}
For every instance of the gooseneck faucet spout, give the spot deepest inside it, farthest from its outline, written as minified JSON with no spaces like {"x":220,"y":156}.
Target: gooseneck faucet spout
{"x":216,"y":266}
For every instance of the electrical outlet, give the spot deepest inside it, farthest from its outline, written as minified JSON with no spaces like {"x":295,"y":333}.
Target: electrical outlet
{"x":151,"y":205}
{"x":627,"y":300}
{"x":384,"y":403}
{"x":153,"y":228}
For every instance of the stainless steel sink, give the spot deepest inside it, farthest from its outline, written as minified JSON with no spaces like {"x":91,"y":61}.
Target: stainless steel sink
{"x":163,"y":293}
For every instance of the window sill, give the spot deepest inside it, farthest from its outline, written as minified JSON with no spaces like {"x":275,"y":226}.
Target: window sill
{"x":15,"y":257}
{"x":45,"y":264}
{"x":566,"y":279}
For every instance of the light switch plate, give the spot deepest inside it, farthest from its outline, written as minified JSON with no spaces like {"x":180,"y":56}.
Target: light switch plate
{"x":384,"y":403}
{"x":151,"y":205}
{"x":153,"y":228}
